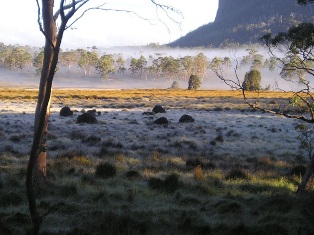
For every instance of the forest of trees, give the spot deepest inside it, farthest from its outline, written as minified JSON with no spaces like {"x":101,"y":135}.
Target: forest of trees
{"x":92,"y":63}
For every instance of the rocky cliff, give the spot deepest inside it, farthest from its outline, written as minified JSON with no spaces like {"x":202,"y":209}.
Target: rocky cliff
{"x":245,"y":21}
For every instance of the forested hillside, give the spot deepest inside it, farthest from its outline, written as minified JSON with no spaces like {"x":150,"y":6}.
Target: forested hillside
{"x":245,"y":21}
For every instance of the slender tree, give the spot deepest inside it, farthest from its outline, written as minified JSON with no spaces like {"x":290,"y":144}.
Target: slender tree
{"x":53,"y":20}
{"x":294,"y":52}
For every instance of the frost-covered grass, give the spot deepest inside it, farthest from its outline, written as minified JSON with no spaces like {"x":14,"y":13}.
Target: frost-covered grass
{"x":245,"y":184}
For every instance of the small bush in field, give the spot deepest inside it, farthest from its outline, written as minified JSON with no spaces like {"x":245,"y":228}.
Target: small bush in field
{"x":170,"y":184}
{"x":252,"y":80}
{"x":235,"y":174}
{"x":132,"y":174}
{"x":175,"y":85}
{"x":105,"y":170}
{"x":298,"y":170}
{"x":194,"y":82}
{"x":155,"y":183}
{"x":77,"y":134}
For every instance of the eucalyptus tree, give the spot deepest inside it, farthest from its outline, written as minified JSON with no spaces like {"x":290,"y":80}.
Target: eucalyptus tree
{"x":69,"y":58}
{"x":201,"y":65}
{"x":54,"y":18}
{"x":141,"y":64}
{"x":106,"y":65}
{"x":133,"y":65}
{"x":88,"y":61}
{"x":187,"y":63}
{"x":170,"y":66}
{"x":38,"y":61}
{"x":294,"y":52}
{"x":297,"y":46}
{"x":120,"y":64}
{"x":253,"y":59}
{"x":18,"y":58}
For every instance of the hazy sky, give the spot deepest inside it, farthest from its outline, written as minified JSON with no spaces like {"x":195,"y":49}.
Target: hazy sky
{"x":18,"y":23}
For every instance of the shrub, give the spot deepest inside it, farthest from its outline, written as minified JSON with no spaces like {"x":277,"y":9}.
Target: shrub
{"x":194,"y":82}
{"x":132,"y":174}
{"x":155,"y":183}
{"x":92,"y":140}
{"x":170,"y":184}
{"x":175,"y":85}
{"x":252,"y":80}
{"x":235,"y":174}
{"x":193,"y":162}
{"x":298,"y":170}
{"x":105,"y":170}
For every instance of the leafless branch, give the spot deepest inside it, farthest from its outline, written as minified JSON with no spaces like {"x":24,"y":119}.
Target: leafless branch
{"x":41,"y":29}
{"x":107,"y":9}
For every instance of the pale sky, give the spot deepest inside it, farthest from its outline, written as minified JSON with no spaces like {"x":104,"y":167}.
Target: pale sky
{"x":18,"y":23}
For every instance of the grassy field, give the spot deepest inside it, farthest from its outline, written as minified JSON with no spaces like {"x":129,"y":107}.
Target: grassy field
{"x":122,"y":188}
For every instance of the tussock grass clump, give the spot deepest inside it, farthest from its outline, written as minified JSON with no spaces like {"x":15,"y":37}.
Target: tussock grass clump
{"x":298,"y":170}
{"x":191,"y":163}
{"x":110,"y":147}
{"x":132,"y":174}
{"x":122,"y":224}
{"x":11,"y":199}
{"x":77,"y":135}
{"x":169,"y":184}
{"x":236,"y":174}
{"x":256,"y":188}
{"x":105,"y":170}
{"x":92,"y":140}
{"x":71,"y":154}
{"x":230,"y":207}
{"x":16,"y":138}
{"x":282,"y":203}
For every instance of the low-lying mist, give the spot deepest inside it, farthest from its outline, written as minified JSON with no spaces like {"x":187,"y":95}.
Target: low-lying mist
{"x":74,"y":77}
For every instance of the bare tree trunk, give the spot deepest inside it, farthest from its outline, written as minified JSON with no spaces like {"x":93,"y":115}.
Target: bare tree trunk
{"x":36,"y":168}
{"x":307,"y":176}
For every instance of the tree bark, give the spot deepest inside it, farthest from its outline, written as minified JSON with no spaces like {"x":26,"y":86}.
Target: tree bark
{"x":306,"y":178}
{"x":36,"y":168}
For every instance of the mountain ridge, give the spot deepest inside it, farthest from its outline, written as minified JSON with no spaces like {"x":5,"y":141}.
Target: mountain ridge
{"x":245,"y":21}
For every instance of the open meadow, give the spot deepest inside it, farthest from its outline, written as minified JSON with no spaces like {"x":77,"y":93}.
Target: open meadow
{"x":232,"y":170}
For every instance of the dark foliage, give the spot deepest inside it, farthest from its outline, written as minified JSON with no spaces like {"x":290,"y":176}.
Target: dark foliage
{"x":236,"y":173}
{"x":186,"y":118}
{"x":161,"y":121}
{"x":252,"y":80}
{"x":66,"y":111}
{"x":86,"y":118}
{"x":170,"y":184}
{"x":194,"y":82}
{"x":193,"y":162}
{"x":175,"y":85}
{"x":105,"y":170}
{"x":159,"y":109}
{"x":132,"y":174}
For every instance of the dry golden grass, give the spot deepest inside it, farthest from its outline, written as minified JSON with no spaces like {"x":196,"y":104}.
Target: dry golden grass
{"x":139,"y":93}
